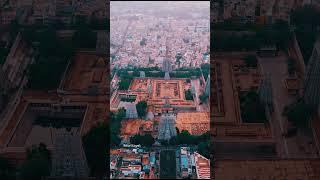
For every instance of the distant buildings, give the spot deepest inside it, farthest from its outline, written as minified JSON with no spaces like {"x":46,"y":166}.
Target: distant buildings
{"x":250,"y":11}
{"x":202,"y":166}
{"x":64,"y":12}
{"x":133,"y":162}
{"x":192,"y":164}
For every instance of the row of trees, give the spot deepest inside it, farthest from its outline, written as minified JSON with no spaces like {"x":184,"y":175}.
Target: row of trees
{"x":228,"y":37}
{"x":185,"y":138}
{"x":186,"y":73}
{"x":144,"y":140}
{"x":126,"y":75}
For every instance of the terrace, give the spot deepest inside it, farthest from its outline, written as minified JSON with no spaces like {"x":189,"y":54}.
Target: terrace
{"x":196,"y":123}
{"x":173,"y":89}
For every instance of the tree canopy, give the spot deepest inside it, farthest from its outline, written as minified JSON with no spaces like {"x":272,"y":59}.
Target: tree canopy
{"x":115,"y":125}
{"x":144,"y":140}
{"x":188,"y":95}
{"x":96,"y":145}
{"x":184,"y":137}
{"x":38,"y":163}
{"x":142,"y":108}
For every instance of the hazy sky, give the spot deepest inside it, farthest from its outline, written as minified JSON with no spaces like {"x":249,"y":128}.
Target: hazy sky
{"x":159,"y":7}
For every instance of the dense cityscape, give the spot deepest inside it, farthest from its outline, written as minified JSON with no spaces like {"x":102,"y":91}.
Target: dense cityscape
{"x":221,"y":89}
{"x":160,"y":90}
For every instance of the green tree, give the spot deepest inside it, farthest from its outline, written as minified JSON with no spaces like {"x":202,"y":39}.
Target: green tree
{"x":143,"y":42}
{"x":124,"y":84}
{"x":178,"y":58}
{"x":204,"y":148}
{"x":96,"y":146}
{"x":188,"y":95}
{"x":144,"y":140}
{"x":115,"y":125}
{"x":185,"y":138}
{"x":141,"y":108}
{"x":38,"y":163}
